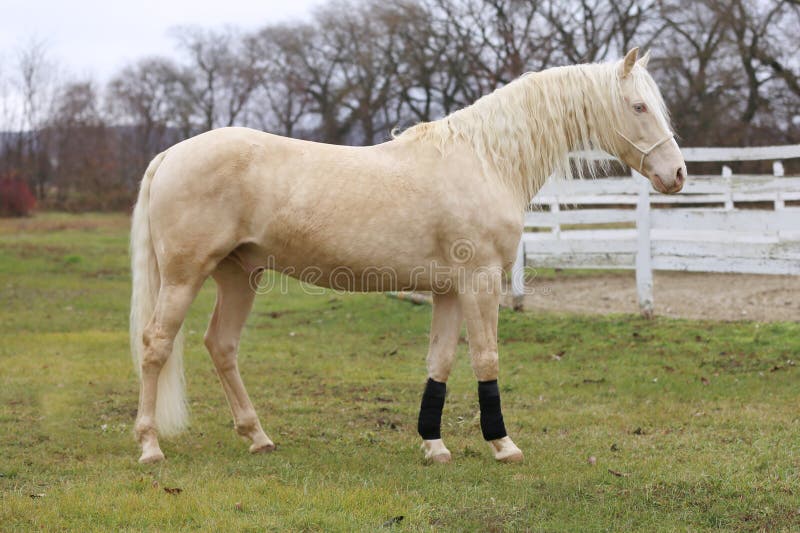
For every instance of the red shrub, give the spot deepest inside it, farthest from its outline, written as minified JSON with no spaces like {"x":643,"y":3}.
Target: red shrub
{"x":16,"y":199}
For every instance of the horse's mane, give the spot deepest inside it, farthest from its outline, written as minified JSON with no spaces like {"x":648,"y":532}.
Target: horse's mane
{"x":524,"y":132}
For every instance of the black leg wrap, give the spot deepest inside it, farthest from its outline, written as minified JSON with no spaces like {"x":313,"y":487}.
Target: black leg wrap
{"x":430,"y":411}
{"x":492,"y":425}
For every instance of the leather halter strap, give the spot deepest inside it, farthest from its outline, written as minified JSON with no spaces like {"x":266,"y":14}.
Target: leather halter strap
{"x":645,"y":152}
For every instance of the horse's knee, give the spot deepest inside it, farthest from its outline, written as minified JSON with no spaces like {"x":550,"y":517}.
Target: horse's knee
{"x":486,"y":365}
{"x":439,"y":366}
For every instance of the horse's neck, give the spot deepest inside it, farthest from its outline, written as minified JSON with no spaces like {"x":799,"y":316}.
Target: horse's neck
{"x":533,"y":124}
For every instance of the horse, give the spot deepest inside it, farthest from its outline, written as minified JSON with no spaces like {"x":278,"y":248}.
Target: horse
{"x":439,"y":206}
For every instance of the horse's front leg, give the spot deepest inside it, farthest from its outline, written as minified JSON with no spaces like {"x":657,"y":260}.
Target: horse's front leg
{"x":445,"y":329}
{"x":480,"y":300}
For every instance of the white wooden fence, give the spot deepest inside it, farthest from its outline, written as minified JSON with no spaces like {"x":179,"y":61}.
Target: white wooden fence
{"x":725,"y":223}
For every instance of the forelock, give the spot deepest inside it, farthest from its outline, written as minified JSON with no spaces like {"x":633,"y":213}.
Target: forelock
{"x":645,"y":86}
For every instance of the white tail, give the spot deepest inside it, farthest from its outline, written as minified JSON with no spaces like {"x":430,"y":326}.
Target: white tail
{"x":171,"y":410}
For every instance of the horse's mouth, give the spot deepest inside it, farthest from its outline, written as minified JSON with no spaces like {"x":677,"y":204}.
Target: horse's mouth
{"x":655,"y":179}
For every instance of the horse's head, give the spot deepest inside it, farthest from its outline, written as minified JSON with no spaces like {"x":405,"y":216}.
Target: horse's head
{"x":644,"y":139}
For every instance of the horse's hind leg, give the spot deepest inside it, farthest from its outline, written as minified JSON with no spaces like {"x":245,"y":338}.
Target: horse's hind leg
{"x":159,"y":335}
{"x":234,"y":301}
{"x":445,"y":328}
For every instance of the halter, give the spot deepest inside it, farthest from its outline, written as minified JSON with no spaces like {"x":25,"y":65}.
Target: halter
{"x":647,"y":152}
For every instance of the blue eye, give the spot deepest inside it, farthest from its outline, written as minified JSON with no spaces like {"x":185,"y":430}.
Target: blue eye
{"x":640,"y":108}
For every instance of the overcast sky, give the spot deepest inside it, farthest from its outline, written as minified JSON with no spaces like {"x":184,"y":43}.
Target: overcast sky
{"x":95,"y":37}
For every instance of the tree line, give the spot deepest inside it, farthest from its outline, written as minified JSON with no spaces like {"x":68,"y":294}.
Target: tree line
{"x":359,"y":68}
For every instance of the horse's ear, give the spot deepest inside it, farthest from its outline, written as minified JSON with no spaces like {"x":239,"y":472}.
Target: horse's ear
{"x":644,"y":59}
{"x":629,"y":61}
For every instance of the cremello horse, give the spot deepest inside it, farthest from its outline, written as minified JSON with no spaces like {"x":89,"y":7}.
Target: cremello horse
{"x":439,"y":207}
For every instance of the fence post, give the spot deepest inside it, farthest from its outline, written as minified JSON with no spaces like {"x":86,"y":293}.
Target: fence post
{"x":555,"y":207}
{"x":644,"y":264}
{"x":779,"y":203}
{"x":518,"y":277}
{"x":727,"y":173}
{"x":777,"y":171}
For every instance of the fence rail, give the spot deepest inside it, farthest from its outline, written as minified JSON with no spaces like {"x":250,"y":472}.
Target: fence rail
{"x":725,"y":223}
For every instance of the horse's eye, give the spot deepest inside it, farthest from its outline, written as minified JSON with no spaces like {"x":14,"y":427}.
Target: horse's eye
{"x":639,"y":108}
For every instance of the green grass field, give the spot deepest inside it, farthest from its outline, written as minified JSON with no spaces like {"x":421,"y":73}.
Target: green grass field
{"x":694,"y":425}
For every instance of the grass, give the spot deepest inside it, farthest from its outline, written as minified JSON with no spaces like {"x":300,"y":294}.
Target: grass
{"x":699,"y":420}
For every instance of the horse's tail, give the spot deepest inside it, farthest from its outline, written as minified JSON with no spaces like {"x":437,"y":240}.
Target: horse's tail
{"x":171,"y":412}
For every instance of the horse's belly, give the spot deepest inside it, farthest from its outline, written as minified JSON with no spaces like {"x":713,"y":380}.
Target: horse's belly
{"x":347,"y":267}
{"x":347,"y":275}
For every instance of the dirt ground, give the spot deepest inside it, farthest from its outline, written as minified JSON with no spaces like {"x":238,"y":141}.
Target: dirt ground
{"x":676,"y":294}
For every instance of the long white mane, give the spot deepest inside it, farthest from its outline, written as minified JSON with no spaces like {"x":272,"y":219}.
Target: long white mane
{"x":524,"y":132}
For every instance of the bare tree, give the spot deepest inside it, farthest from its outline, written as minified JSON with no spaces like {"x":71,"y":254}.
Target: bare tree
{"x":82,"y":148}
{"x":146,"y":100}
{"x":749,"y":28}
{"x":586,"y":30}
{"x":368,"y":69}
{"x":8,"y":108}
{"x":443,"y":57}
{"x":282,"y":101}
{"x":224,"y":70}
{"x":761,"y":32}
{"x":36,"y":84}
{"x":695,"y":69}
{"x":316,"y":60}
{"x":512,"y":37}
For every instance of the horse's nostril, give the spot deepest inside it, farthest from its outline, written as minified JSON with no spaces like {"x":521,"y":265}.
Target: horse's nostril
{"x":679,"y":176}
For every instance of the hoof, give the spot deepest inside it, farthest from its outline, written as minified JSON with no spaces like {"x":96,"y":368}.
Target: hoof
{"x":440,"y":458}
{"x":151,"y":457}
{"x":505,"y":451}
{"x":515,"y":457}
{"x":264,"y":447}
{"x":435,"y":451}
